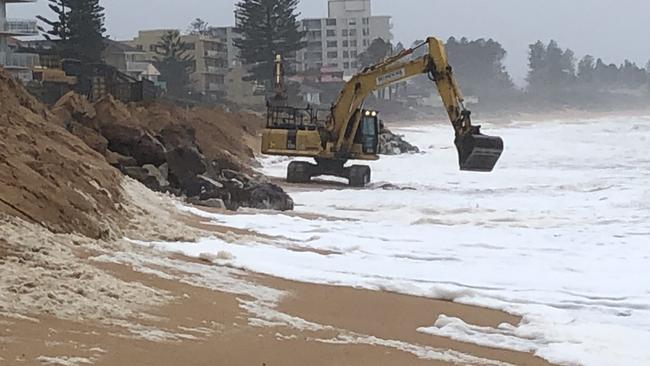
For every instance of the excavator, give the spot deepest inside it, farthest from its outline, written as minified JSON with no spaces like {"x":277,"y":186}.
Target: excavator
{"x":351,"y":132}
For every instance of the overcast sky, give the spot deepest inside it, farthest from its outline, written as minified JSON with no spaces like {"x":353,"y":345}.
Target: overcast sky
{"x":611,"y":29}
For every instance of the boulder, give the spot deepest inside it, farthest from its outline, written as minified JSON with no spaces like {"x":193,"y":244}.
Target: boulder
{"x":148,"y":150}
{"x":212,"y":202}
{"x":135,"y":142}
{"x":120,"y":161}
{"x":184,"y":164}
{"x":149,"y":176}
{"x":155,"y":172}
{"x":90,"y":137}
{"x":392,"y":144}
{"x":173,"y":136}
{"x":76,"y":107}
{"x":268,"y":196}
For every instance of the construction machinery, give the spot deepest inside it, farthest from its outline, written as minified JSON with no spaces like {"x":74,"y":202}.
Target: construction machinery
{"x":351,"y":132}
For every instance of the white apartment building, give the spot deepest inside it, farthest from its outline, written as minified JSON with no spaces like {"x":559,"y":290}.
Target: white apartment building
{"x":209,"y":54}
{"x":335,"y":42}
{"x":227,"y":36}
{"x":18,"y":64}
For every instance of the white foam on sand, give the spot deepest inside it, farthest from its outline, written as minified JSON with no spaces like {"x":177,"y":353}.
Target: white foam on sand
{"x":558,"y":233}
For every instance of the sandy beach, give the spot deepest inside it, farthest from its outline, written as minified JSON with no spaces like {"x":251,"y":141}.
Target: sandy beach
{"x":200,"y":313}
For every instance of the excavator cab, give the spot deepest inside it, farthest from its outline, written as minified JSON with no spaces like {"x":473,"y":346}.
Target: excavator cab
{"x":478,"y":152}
{"x":368,"y":132}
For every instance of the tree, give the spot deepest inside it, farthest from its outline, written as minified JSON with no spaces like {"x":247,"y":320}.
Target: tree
{"x":268,"y":28}
{"x":174,"y":63}
{"x":78,"y":30}
{"x":586,"y":69}
{"x":479,"y":67}
{"x":87,"y":29}
{"x":551,"y":67}
{"x":199,"y":26}
{"x":376,"y":52}
{"x":632,"y":76}
{"x":59,"y":27}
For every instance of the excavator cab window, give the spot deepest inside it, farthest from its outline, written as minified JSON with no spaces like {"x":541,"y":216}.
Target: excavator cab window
{"x":368,"y":133}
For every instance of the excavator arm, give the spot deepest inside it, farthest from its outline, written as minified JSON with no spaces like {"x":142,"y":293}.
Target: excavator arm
{"x":477,"y":152}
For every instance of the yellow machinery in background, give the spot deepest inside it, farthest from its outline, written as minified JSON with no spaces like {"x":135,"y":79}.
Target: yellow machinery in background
{"x":351,"y":132}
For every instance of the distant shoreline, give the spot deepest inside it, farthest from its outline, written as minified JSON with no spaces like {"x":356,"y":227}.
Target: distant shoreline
{"x":564,"y":115}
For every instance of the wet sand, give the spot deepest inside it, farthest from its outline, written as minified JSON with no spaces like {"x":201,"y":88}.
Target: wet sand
{"x":217,"y":330}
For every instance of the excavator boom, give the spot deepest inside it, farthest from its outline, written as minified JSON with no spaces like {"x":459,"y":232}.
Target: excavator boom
{"x":476,"y":151}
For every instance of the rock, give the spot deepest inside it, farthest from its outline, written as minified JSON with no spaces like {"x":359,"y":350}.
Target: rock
{"x":149,"y":176}
{"x":212,"y":202}
{"x":134,"y":142}
{"x":185,"y":163}
{"x":155,"y":172}
{"x":216,"y":184}
{"x":392,"y":144}
{"x":173,"y":136}
{"x":148,"y":150}
{"x":269,"y":196}
{"x":119,"y":161}
{"x":164,"y":171}
{"x":90,"y":137}
{"x":235,"y":175}
{"x":77,"y":107}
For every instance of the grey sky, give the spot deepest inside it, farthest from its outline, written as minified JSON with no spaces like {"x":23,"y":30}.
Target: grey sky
{"x":611,"y":29}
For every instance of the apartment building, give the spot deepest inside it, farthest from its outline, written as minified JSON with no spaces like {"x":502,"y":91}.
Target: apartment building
{"x":227,"y":36}
{"x":210,"y":59}
{"x":130,"y":61}
{"x":18,"y":64}
{"x":336,"y":41}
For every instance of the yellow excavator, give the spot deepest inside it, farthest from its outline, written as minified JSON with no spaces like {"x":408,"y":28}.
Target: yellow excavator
{"x":350,"y":132}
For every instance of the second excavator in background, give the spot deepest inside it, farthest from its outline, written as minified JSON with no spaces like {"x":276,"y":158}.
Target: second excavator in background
{"x":351,"y":132}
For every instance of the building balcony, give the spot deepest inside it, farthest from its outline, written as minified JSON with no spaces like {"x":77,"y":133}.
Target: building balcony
{"x":214,"y":54}
{"x":19,"y":27}
{"x":19,"y":60}
{"x":134,"y":66}
{"x":216,"y":70}
{"x":215,"y":87}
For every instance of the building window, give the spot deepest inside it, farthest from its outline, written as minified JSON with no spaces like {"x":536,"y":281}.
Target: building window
{"x":346,"y":54}
{"x":346,"y":65}
{"x":353,"y":32}
{"x":331,"y":33}
{"x":345,"y":43}
{"x":353,"y":43}
{"x":355,"y":65}
{"x":353,"y":54}
{"x":139,"y":47}
{"x":365,"y":43}
{"x":313,"y":24}
{"x":331,"y":22}
{"x":152,"y":48}
{"x":344,"y":33}
{"x":314,"y":46}
{"x":366,"y":32}
{"x":315,"y":56}
{"x":366,"y":21}
{"x":332,"y":54}
{"x":352,"y":21}
{"x":332,"y":44}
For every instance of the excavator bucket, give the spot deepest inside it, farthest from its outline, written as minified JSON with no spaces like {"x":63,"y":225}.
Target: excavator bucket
{"x":478,"y":152}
